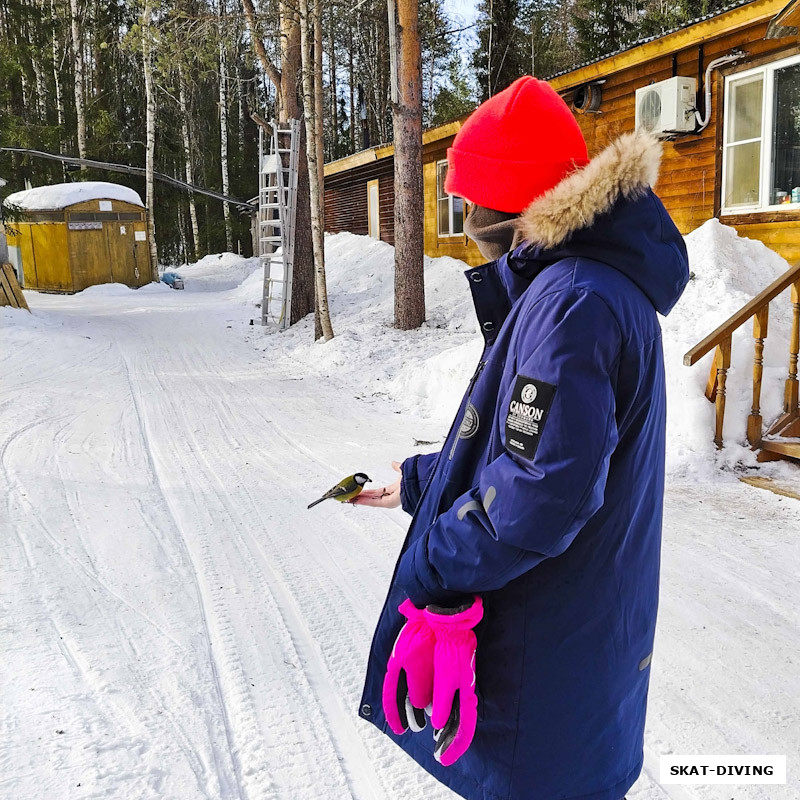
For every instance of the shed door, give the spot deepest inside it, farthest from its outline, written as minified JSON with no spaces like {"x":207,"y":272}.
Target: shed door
{"x":50,"y":251}
{"x":88,"y":255}
{"x":141,"y":251}
{"x":121,"y":249}
{"x":373,"y":209}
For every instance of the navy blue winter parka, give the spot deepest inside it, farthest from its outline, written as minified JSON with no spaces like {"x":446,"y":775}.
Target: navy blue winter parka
{"x":546,"y":497}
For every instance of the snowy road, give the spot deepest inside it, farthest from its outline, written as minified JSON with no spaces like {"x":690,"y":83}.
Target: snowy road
{"x":175,"y":624}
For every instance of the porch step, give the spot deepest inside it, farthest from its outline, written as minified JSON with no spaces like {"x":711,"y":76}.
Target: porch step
{"x":761,"y":482}
{"x":783,"y":448}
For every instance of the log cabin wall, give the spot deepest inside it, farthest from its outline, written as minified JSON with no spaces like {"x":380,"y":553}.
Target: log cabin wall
{"x":346,"y":199}
{"x":346,"y":195}
{"x":690,"y":179}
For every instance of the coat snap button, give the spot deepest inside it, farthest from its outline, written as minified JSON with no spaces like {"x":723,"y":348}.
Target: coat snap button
{"x":476,"y":277}
{"x":488,"y":326}
{"x":366,"y":709}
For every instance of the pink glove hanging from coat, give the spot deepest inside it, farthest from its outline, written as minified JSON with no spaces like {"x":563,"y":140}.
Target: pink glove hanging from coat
{"x":408,"y":685}
{"x":455,"y":702}
{"x":433,"y":663}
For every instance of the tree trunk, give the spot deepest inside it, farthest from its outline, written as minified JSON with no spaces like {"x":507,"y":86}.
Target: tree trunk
{"x":77,"y":53}
{"x":319,"y":109}
{"x":150,"y":138}
{"x":241,"y":95}
{"x":188,"y":161}
{"x":352,"y":79}
{"x":311,"y":27}
{"x":334,"y":140}
{"x":223,"y":131}
{"x":57,"y":82}
{"x":409,"y":282}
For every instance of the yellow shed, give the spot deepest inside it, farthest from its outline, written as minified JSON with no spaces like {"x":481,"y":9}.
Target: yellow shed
{"x":65,"y":237}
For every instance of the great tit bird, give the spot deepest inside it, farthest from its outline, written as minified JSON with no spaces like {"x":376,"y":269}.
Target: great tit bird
{"x":346,"y":489}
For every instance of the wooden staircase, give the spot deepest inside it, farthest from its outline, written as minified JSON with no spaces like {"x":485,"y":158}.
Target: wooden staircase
{"x":782,"y":439}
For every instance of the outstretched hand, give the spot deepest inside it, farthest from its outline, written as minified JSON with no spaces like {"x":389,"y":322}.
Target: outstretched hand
{"x":386,"y":497}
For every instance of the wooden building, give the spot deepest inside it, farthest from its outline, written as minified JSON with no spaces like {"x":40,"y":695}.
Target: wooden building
{"x":742,"y":167}
{"x":359,"y":197}
{"x":66,"y":237}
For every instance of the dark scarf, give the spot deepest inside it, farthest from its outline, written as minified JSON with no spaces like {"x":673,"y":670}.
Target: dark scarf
{"x":495,"y":232}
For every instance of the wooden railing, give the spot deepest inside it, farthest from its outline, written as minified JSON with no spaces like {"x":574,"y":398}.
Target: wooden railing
{"x":721,"y":339}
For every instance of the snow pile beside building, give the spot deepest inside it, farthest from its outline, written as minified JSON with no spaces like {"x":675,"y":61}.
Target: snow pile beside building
{"x":217,"y":272}
{"x":727,"y":271}
{"x":425,"y":371}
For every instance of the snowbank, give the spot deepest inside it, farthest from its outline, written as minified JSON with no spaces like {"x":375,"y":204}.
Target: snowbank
{"x":217,"y":272}
{"x":61,"y":195}
{"x":425,"y":371}
{"x":727,"y":271}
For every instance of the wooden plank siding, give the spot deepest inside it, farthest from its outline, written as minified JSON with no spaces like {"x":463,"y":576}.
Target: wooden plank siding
{"x":346,"y":199}
{"x":689,"y":183}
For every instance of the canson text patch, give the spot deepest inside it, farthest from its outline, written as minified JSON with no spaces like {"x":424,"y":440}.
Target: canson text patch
{"x":527,"y":414}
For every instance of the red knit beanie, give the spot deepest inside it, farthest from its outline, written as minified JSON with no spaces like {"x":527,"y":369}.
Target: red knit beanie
{"x":514,"y":147}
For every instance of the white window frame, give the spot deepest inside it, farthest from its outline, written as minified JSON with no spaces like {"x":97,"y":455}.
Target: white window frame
{"x":449,"y":197}
{"x":767,"y":136}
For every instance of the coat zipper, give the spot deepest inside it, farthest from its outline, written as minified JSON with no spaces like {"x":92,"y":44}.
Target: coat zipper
{"x":472,"y":381}
{"x":410,"y":531}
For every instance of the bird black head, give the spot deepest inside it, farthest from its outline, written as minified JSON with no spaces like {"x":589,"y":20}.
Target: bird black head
{"x":361,"y":478}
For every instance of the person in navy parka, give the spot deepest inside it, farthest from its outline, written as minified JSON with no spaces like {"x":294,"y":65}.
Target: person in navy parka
{"x":557,"y":524}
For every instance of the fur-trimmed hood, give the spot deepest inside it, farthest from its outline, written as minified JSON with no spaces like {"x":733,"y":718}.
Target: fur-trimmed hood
{"x":607,"y":212}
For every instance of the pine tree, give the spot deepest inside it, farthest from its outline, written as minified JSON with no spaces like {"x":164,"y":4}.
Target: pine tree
{"x":604,"y":26}
{"x":455,"y":98}
{"x":503,"y":51}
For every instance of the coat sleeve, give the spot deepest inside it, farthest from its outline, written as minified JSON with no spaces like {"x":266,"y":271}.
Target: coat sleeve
{"x":415,"y":471}
{"x":529,"y":507}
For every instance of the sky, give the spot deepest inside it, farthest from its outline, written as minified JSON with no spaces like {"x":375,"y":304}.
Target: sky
{"x":466,"y":9}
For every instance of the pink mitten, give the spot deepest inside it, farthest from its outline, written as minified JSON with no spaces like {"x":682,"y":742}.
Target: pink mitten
{"x":455,"y":704}
{"x":408,"y":685}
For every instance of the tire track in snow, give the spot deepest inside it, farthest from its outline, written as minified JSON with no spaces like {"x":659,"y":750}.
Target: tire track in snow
{"x":208,"y":564}
{"x":312,"y":590}
{"x":309,"y":756}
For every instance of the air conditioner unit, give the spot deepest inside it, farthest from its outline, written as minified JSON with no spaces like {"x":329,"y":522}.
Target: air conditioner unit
{"x":667,"y":107}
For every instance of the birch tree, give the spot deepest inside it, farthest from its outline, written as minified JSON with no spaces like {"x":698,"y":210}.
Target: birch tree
{"x":77,"y":60}
{"x":150,"y":130}
{"x":188,"y":159}
{"x":311,"y":40}
{"x":223,"y":128}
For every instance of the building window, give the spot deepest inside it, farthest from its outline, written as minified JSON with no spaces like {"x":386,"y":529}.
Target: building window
{"x":761,"y":138}
{"x":449,"y":208}
{"x":373,"y":209}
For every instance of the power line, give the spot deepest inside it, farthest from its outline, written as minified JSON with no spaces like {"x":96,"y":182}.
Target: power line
{"x":126,"y":168}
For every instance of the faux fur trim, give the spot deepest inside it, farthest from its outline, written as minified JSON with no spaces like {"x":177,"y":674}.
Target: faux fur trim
{"x":626,"y":168}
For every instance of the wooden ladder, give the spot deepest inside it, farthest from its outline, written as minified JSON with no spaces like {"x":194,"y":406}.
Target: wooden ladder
{"x":782,"y":438}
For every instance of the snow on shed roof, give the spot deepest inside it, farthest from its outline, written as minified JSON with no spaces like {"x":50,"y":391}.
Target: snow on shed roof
{"x":61,"y":195}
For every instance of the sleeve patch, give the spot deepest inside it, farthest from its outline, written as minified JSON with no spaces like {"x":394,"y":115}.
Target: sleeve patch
{"x":527,"y":414}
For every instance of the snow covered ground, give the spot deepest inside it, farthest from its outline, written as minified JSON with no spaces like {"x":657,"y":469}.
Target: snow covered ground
{"x":175,"y":624}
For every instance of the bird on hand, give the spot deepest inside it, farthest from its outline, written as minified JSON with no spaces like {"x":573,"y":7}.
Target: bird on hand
{"x":347,"y":489}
